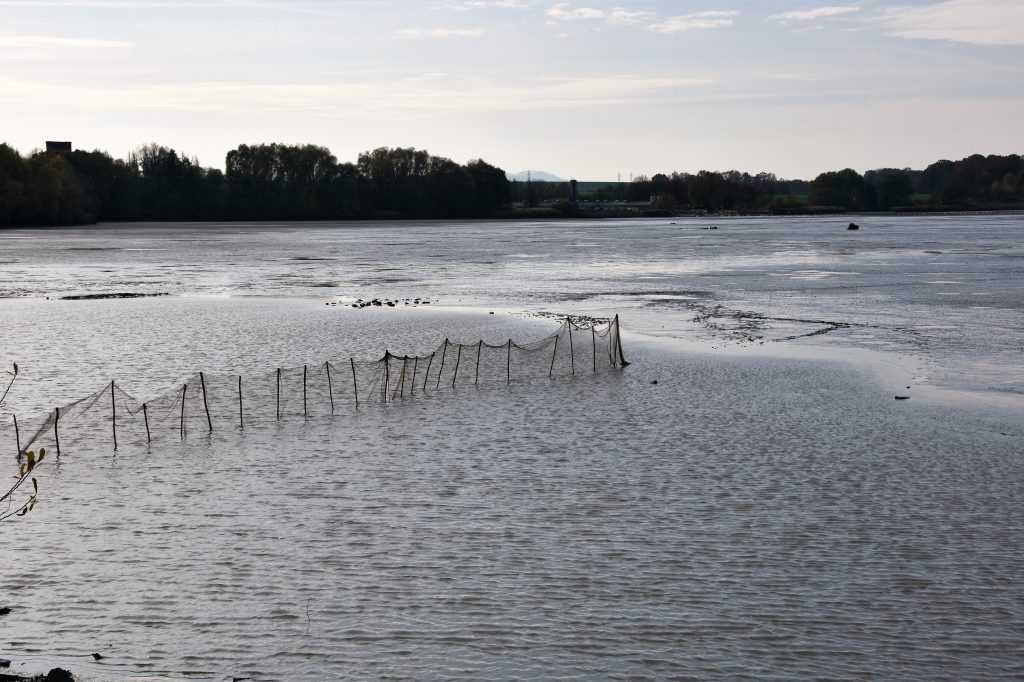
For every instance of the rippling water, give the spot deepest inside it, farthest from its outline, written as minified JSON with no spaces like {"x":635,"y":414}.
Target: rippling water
{"x":741,"y":518}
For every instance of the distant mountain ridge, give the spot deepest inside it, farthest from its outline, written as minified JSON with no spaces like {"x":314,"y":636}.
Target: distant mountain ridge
{"x":540,"y":176}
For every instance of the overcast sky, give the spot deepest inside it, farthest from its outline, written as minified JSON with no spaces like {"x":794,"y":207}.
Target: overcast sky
{"x":585,"y":89}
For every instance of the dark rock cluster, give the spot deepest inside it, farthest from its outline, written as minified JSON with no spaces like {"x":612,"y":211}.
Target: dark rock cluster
{"x":389,"y":303}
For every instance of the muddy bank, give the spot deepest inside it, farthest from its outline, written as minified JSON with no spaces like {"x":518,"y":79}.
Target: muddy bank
{"x":55,"y":675}
{"x":100,"y":297}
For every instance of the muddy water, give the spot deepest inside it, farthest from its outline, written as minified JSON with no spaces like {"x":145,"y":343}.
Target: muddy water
{"x":743,"y":517}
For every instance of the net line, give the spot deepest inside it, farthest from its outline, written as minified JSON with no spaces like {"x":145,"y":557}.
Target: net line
{"x":206,"y":402}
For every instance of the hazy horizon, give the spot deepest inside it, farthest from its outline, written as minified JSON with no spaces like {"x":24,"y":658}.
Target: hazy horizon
{"x":588,"y":90}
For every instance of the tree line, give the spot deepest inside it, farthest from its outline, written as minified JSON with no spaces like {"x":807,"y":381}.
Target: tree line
{"x":306,"y":182}
{"x":260,"y":182}
{"x":976,"y":182}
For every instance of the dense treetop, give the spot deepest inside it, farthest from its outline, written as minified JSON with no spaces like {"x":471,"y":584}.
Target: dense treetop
{"x":977,"y":182}
{"x":260,"y":182}
{"x":306,"y":182}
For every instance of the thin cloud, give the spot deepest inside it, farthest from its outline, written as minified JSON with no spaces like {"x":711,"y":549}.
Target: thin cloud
{"x":795,"y":77}
{"x":36,"y":42}
{"x":467,"y":5}
{"x":652,"y":22}
{"x":101,"y":4}
{"x":441,"y":32}
{"x":813,"y":14}
{"x":695,"y":22}
{"x":977,"y":22}
{"x":269,"y":5}
{"x":131,"y":4}
{"x":623,"y":16}
{"x":440,"y":96}
{"x":561,"y":12}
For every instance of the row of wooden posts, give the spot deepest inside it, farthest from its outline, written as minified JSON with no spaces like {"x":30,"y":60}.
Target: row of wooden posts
{"x":355,"y":387}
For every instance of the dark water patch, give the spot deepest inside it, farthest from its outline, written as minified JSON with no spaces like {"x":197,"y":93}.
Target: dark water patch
{"x":687,"y":293}
{"x":97,"y":297}
{"x":578,"y":320}
{"x":384,"y":280}
{"x":575,"y":296}
{"x":752,"y":326}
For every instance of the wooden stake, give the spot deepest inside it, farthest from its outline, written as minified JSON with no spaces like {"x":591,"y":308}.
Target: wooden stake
{"x":113,"y":413}
{"x":415,"y":366}
{"x":400,"y":391}
{"x":241,"y":419}
{"x":278,"y":392}
{"x":330,"y":388}
{"x":184,"y":392}
{"x":444,"y":352}
{"x":479,"y":349}
{"x":56,"y":434}
{"x":426,"y":377}
{"x":618,"y":342}
{"x":209,"y":422}
{"x":572,"y":355}
{"x":305,"y":410}
{"x":355,"y":387}
{"x":593,"y":338}
{"x":553,"y":354}
{"x":508,"y":364}
{"x":458,"y":359}
{"x":387,"y":374}
{"x":145,"y":416}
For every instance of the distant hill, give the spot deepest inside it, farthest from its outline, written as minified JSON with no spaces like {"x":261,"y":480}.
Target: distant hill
{"x":537,"y":175}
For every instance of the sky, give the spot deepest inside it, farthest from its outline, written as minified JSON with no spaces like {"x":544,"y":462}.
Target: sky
{"x":591,"y":90}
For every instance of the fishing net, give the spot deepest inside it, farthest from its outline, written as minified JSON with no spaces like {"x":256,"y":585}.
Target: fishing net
{"x":207,"y":402}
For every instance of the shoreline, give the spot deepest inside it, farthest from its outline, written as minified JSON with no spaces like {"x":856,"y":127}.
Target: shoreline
{"x":546,"y":216}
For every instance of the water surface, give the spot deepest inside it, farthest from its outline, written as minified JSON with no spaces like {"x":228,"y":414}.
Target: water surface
{"x":745,"y":517}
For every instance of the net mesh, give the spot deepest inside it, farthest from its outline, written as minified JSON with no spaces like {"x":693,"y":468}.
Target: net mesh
{"x":207,"y":402}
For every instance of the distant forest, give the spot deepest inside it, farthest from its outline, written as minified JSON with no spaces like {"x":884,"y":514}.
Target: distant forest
{"x":975,"y":183}
{"x":306,"y":182}
{"x":260,"y":182}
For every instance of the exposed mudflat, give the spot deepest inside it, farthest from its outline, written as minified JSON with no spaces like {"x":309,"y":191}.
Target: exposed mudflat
{"x":943,"y":294}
